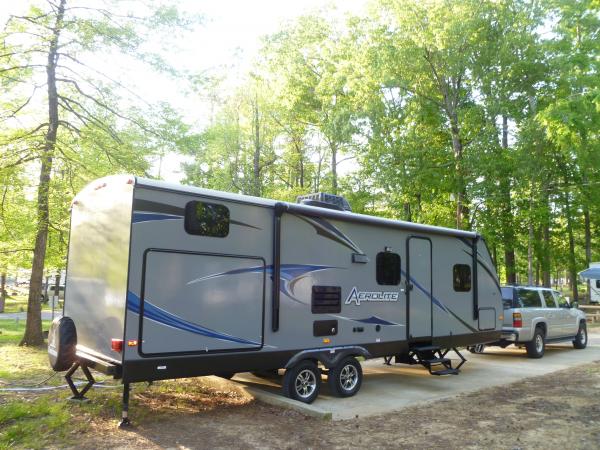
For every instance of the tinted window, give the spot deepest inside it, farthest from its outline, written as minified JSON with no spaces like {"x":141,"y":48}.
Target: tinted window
{"x":529,"y":298}
{"x":388,"y":268}
{"x":549,"y":299}
{"x":461,"y":275}
{"x":598,"y":284}
{"x":507,"y":297}
{"x":206,"y":219}
{"x":562,"y":301}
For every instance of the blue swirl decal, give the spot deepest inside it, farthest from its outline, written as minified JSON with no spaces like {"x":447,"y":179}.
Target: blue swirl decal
{"x":289,"y":274}
{"x":163,"y":317}
{"x":375,"y":320}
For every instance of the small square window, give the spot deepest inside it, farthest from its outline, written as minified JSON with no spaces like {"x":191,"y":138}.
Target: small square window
{"x":461,"y":274}
{"x":206,"y":219}
{"x":388,"y":268}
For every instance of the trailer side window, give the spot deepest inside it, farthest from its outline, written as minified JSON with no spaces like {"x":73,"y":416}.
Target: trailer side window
{"x":206,"y":219}
{"x":598,"y":284}
{"x":388,"y":268}
{"x":461,"y":274}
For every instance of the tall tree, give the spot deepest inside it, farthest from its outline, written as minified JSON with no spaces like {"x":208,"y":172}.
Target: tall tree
{"x":51,"y":47}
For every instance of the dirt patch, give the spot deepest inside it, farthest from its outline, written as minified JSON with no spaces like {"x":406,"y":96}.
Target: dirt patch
{"x":559,"y":410}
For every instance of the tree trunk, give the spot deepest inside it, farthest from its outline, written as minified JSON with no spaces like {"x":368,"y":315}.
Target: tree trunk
{"x":588,"y":242}
{"x":256,"y":184}
{"x":507,"y":214}
{"x":530,"y":244}
{"x":462,"y":210}
{"x":33,"y":328}
{"x":334,"y":185}
{"x":2,"y":291}
{"x":572,"y":260}
{"x":407,"y":212}
{"x":546,"y":254}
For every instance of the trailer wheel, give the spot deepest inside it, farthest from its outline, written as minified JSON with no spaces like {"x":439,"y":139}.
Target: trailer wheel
{"x":302,"y":382}
{"x":476,"y":349}
{"x":345,"y":378}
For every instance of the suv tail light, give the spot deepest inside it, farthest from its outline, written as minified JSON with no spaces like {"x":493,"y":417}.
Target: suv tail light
{"x":517,"y":320}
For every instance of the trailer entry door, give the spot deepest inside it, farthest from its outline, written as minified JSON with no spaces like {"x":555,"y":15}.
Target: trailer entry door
{"x":419,"y":287}
{"x":201,"y":303}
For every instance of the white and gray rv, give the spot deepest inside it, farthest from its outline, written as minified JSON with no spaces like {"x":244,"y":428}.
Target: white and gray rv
{"x":592,"y":274}
{"x":167,"y":281}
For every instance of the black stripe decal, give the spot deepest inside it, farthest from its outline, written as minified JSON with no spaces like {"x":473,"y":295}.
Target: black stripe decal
{"x":157,"y":207}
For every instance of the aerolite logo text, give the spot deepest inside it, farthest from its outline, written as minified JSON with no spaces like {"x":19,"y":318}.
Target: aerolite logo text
{"x":357,"y":296}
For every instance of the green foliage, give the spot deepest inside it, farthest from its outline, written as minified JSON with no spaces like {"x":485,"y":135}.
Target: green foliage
{"x":494,"y":104}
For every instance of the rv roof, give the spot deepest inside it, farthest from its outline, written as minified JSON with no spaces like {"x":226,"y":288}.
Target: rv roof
{"x":303,"y":209}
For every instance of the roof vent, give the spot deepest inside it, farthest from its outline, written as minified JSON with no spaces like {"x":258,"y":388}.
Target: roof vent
{"x":323,"y":200}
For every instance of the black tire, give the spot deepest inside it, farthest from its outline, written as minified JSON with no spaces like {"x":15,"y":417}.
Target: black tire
{"x":345,"y":378}
{"x":62,"y":343}
{"x":226,"y":375}
{"x":581,"y":339}
{"x":302,"y":382}
{"x":537,"y":346}
{"x":476,"y":349}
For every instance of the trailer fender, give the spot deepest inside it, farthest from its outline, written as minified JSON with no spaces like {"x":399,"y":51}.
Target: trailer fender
{"x":329,"y":357}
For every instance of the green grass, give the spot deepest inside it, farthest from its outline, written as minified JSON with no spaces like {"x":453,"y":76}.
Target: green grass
{"x":34,"y":423}
{"x":11,"y":330}
{"x":18,"y":303}
{"x":46,"y":419}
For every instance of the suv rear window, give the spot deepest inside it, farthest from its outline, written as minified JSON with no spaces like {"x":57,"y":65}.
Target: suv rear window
{"x":507,"y":297}
{"x":529,"y":298}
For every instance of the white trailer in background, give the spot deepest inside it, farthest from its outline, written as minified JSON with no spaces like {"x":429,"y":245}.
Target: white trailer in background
{"x":592,"y":274}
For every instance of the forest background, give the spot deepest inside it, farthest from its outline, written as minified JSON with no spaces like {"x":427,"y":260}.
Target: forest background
{"x":480,"y":115}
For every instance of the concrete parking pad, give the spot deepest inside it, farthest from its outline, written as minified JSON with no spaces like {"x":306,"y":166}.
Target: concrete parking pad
{"x":390,"y":388}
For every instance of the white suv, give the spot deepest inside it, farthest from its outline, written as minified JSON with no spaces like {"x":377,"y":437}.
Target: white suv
{"x":534,"y":316}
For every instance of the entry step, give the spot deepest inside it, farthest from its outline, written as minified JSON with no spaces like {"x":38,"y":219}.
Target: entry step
{"x":437,"y":361}
{"x":445,"y":372}
{"x":425,"y":348}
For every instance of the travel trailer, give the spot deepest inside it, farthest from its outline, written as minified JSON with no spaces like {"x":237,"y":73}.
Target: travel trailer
{"x":592,"y":274}
{"x":167,"y":281}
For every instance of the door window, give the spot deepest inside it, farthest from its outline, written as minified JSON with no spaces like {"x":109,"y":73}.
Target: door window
{"x":549,"y":299}
{"x":387,"y":268}
{"x":562,"y":301}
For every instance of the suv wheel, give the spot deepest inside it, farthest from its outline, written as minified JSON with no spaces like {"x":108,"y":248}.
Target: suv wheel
{"x":537,"y":346}
{"x":581,"y":339}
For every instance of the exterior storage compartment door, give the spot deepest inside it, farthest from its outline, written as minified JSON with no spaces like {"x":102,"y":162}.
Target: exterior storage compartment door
{"x":201,"y":303}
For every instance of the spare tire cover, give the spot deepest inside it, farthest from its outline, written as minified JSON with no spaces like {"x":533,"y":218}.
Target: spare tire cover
{"x":62,"y":342}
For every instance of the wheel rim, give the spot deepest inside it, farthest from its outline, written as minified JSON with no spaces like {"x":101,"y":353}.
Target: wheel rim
{"x":539,"y":343}
{"x":306,"y":383}
{"x":348,"y":377}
